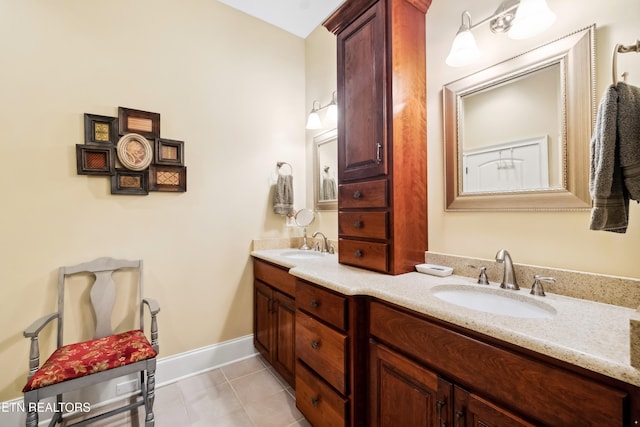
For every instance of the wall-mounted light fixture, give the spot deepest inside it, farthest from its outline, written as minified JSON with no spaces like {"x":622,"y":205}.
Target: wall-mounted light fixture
{"x":520,"y":19}
{"x":313,"y":122}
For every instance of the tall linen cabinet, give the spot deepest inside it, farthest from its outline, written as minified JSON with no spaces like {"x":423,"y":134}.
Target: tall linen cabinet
{"x":382,"y":158}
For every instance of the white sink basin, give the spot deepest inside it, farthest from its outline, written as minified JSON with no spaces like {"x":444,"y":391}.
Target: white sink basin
{"x":300,"y":254}
{"x":495,"y":301}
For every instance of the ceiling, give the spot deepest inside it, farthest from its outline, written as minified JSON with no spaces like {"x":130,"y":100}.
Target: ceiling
{"x":299,"y":17}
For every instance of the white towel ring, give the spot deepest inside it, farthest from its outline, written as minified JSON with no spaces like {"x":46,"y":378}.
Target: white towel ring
{"x":614,"y":64}
{"x":280,"y":171}
{"x":618,"y":48}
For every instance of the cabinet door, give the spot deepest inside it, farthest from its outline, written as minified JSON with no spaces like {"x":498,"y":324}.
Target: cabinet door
{"x":361,"y":88}
{"x":262,"y":336}
{"x":404,"y":393}
{"x":473,"y":411}
{"x":283,"y":356}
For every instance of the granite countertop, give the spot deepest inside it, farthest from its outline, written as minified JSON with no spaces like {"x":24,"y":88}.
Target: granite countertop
{"x":588,"y":334}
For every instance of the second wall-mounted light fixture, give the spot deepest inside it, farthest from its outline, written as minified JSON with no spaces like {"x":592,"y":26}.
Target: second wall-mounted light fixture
{"x":314,"y":122}
{"x":520,"y":19}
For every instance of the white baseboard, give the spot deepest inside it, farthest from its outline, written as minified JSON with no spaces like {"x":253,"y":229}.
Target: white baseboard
{"x":169,"y":370}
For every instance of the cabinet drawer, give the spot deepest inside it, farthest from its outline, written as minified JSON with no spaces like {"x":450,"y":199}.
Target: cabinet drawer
{"x":370,"y":194}
{"x":276,"y":277}
{"x":323,"y":349}
{"x":317,"y":401}
{"x":563,"y":397}
{"x":373,"y":225}
{"x":373,"y":256}
{"x":323,"y":304}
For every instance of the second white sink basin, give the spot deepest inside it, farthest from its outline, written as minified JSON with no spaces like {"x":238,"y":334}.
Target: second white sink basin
{"x":300,"y":254}
{"x":495,"y":301}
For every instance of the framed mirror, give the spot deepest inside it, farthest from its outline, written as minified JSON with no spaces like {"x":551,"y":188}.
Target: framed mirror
{"x":517,"y":134}
{"x":325,"y":182}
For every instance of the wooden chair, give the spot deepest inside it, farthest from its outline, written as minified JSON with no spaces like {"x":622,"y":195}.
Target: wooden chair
{"x":105,"y":357}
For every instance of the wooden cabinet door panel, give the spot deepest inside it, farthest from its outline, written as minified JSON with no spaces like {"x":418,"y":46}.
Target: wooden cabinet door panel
{"x":323,"y":349}
{"x":404,"y":393}
{"x":473,"y":411}
{"x":284,"y":358}
{"x":361,"y":86}
{"x":262,"y":318}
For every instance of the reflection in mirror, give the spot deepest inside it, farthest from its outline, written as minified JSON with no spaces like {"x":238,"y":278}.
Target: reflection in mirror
{"x":517,"y":134}
{"x":326,"y":171}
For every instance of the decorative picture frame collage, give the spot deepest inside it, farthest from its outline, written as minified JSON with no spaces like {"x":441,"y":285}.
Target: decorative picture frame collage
{"x":129,"y":149}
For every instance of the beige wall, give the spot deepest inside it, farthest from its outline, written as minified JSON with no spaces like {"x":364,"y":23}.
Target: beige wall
{"x":230,"y":86}
{"x":552,"y":239}
{"x":321,"y":66}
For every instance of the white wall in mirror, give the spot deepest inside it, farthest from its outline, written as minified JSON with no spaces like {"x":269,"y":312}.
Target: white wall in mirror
{"x":521,"y":108}
{"x":556,"y":239}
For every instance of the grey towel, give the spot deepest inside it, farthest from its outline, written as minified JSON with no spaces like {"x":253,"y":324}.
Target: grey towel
{"x":283,"y":195}
{"x":329,"y":191}
{"x":615,"y":158}
{"x":629,"y":137}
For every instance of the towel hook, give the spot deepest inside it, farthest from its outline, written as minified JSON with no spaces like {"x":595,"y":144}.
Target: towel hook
{"x":281,"y":164}
{"x":619,"y":48}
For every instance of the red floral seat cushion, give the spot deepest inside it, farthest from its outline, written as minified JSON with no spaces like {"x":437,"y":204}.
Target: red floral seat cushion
{"x":88,"y":357}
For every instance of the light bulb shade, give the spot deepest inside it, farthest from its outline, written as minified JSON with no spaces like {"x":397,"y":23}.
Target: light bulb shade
{"x":332,"y":113}
{"x":463,"y":50}
{"x":313,"y":122}
{"x":532,"y":17}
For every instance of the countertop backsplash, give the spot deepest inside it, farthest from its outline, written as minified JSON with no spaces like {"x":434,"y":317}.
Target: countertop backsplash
{"x":620,"y":291}
{"x":289,"y":242}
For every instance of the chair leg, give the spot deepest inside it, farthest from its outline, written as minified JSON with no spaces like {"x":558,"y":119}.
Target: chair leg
{"x":31,"y":407}
{"x":150,"y":397}
{"x":32,"y":418}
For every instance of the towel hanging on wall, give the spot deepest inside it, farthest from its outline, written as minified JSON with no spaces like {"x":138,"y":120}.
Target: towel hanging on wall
{"x":283,"y":192}
{"x":615,"y":158}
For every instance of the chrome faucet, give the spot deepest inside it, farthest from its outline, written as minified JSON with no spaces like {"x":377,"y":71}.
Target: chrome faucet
{"x":325,"y":243}
{"x":509,"y":279}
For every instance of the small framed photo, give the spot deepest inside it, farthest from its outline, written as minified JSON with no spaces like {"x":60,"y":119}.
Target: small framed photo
{"x":169,"y":152}
{"x":100,"y":129}
{"x":168,"y":178}
{"x":142,"y":122}
{"x":126,"y":181}
{"x":95,"y":160}
{"x":134,"y":152}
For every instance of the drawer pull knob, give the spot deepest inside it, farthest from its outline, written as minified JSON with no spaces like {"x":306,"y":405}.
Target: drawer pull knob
{"x":358,"y":253}
{"x":315,"y":345}
{"x":357,"y":195}
{"x":315,"y":401}
{"x":357,"y":224}
{"x":314,"y":303}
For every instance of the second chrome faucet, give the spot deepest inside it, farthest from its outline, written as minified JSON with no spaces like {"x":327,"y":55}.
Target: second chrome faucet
{"x":509,"y":278}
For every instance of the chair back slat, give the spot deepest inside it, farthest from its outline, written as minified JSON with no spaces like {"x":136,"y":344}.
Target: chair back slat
{"x":103,"y":297}
{"x":103,"y":291}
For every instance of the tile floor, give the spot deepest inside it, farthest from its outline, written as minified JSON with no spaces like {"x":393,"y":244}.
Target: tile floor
{"x":247,"y":393}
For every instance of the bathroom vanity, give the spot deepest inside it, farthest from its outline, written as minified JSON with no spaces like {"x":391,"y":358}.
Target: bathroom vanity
{"x":379,"y":350}
{"x":274,"y":317}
